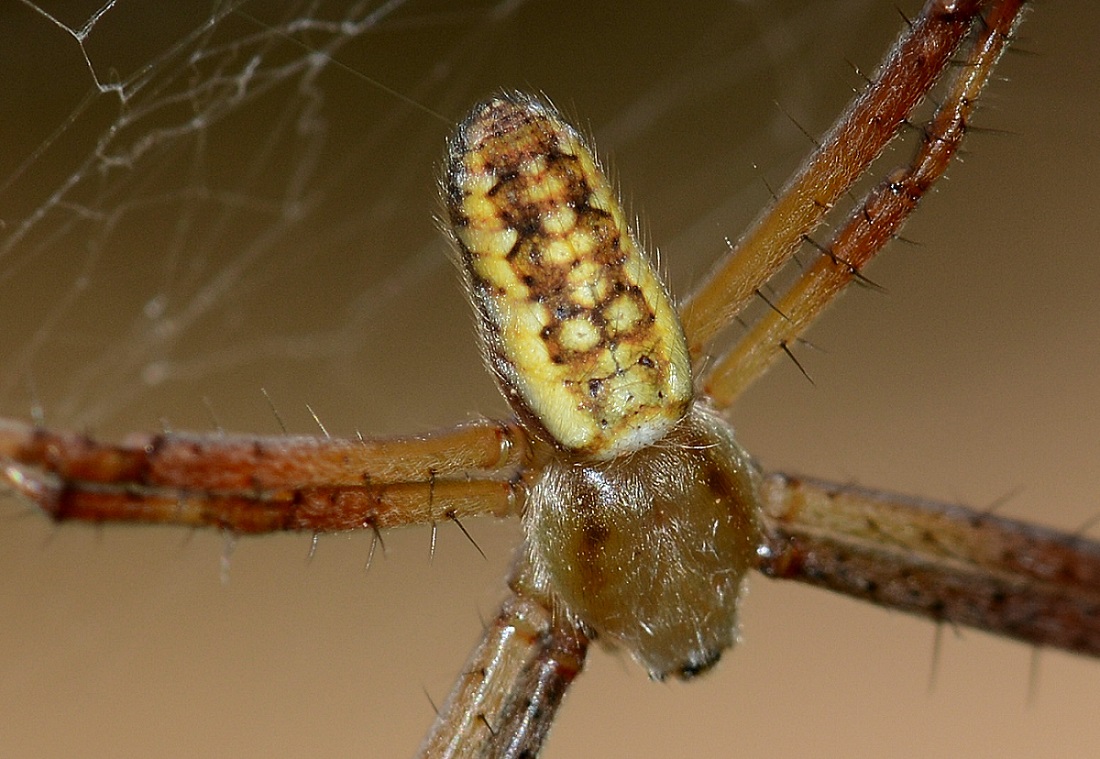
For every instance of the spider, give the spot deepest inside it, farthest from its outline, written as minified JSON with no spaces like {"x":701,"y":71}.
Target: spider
{"x":237,"y":570}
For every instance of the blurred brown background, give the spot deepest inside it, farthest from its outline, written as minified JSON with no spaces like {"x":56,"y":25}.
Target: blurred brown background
{"x":292,"y":249}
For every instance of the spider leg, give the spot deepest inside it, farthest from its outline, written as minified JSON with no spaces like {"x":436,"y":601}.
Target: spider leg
{"x":936,"y":560}
{"x":253,"y":485}
{"x":507,"y":696}
{"x":909,"y":71}
{"x":873,"y":222}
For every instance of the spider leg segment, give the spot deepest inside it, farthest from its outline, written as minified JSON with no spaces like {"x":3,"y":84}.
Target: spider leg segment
{"x":507,"y":695}
{"x":872,"y":120}
{"x":252,"y":485}
{"x":941,"y":561}
{"x":872,"y":223}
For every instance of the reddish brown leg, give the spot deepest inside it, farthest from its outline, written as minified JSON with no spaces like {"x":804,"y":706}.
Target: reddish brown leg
{"x":505,"y":701}
{"x":937,"y":560}
{"x":253,"y":484}
{"x":872,"y":224}
{"x":845,"y":153}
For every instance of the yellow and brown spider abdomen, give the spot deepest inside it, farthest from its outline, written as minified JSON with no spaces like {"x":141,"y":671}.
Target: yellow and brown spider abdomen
{"x":573,"y":320}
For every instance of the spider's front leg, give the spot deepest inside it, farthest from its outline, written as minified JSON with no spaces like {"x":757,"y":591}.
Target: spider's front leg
{"x":250,"y":484}
{"x":876,"y":218}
